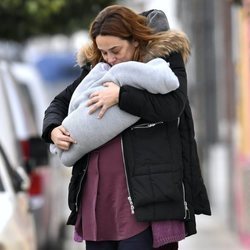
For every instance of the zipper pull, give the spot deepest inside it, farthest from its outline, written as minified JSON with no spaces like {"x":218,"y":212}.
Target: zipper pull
{"x":187,"y":213}
{"x":151,"y":125}
{"x":131,"y":205}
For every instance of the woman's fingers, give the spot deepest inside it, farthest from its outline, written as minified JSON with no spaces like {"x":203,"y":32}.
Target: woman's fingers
{"x":102,"y":111}
{"x":61,"y":138}
{"x":63,"y":130}
{"x":92,"y":100}
{"x":95,"y":102}
{"x":95,"y":105}
{"x":94,"y":108}
{"x":64,"y":145}
{"x":103,"y":99}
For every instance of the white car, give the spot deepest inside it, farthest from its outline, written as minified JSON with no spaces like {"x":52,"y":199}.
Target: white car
{"x":49,"y":179}
{"x":17,"y":230}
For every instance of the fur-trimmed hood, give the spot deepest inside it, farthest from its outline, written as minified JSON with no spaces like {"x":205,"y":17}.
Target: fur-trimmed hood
{"x":173,"y":41}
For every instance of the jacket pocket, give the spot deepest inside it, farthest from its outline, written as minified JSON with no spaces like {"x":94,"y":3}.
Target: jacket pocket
{"x":150,"y":149}
{"x":157,"y":188}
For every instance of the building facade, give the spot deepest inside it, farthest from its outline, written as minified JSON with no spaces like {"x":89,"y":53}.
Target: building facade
{"x":220,"y":92}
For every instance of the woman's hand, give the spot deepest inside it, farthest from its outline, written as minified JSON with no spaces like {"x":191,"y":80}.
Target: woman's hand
{"x":104,"y":99}
{"x":61,"y":138}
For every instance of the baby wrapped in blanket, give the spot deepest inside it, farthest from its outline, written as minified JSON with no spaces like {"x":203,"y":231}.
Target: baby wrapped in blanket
{"x":91,"y":132}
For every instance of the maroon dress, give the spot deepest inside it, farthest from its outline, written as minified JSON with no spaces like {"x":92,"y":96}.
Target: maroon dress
{"x":105,"y":211}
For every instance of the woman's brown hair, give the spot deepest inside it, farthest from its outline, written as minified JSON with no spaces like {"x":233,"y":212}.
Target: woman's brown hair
{"x":122,"y":22}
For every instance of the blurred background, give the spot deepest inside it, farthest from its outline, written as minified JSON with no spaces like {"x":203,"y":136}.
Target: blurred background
{"x":38,"y":43}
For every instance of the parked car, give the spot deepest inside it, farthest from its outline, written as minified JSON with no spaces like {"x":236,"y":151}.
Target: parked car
{"x":48,"y":178}
{"x":17,"y":230}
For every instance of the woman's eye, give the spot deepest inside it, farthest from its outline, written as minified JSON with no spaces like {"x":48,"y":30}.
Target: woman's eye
{"x":115,"y":52}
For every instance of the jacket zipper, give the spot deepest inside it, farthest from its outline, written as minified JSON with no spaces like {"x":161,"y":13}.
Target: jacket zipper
{"x":186,"y":209}
{"x":146,"y":125}
{"x":80,"y":186}
{"x":178,"y":122}
{"x":126,"y":177}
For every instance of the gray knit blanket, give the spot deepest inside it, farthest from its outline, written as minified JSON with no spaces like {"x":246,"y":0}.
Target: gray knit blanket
{"x":91,"y":132}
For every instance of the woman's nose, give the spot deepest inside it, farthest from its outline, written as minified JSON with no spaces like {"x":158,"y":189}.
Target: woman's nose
{"x":111,"y":59}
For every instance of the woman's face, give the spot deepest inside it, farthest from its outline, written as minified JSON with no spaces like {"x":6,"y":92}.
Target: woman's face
{"x":115,"y":50}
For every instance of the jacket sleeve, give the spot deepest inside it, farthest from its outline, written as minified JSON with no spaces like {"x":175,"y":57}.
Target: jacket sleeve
{"x":196,"y":193}
{"x":157,"y":107}
{"x":58,"y":108}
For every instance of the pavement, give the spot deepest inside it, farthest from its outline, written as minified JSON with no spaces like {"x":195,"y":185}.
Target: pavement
{"x":69,"y":243}
{"x":212,"y":234}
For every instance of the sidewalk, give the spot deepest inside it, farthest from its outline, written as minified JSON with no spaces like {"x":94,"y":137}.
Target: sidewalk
{"x":212,"y":235}
{"x":69,"y":243}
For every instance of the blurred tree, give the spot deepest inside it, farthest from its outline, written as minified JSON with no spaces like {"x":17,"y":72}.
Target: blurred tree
{"x":21,"y":19}
{"x":237,"y":1}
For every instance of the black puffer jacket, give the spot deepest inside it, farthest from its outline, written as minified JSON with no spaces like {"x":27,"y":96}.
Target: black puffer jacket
{"x":161,"y":159}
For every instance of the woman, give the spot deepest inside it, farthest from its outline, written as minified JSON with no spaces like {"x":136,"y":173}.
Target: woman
{"x":151,"y":162}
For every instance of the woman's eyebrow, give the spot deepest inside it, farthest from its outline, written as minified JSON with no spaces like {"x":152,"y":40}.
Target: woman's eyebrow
{"x":114,"y":47}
